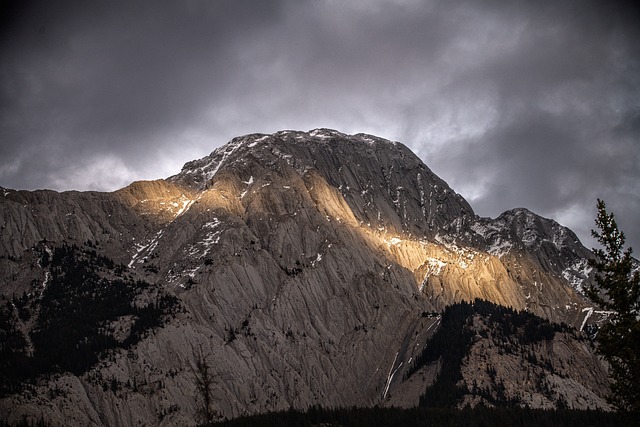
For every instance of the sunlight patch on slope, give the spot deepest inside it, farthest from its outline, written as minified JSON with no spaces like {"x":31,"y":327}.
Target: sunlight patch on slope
{"x":468,"y":273}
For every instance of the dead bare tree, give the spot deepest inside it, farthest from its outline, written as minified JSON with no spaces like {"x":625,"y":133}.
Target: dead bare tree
{"x":204,"y":380}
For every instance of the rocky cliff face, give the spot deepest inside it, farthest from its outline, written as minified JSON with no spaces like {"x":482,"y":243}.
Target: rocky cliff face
{"x":302,"y":263}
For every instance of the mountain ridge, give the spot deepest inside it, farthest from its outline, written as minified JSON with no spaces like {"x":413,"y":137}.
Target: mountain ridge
{"x":305,"y":260}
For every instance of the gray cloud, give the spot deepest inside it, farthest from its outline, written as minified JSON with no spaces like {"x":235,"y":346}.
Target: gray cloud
{"x":512,"y":103}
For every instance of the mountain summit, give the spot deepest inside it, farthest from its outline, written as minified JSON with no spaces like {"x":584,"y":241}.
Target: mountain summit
{"x":306,"y":268}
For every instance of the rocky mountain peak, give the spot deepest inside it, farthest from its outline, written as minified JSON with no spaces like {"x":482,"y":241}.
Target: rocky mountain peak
{"x":383,"y":182}
{"x":299,"y":149}
{"x":316,"y":263}
{"x":528,"y":231}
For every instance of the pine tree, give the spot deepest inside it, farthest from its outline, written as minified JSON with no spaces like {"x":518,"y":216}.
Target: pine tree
{"x":617,"y":288}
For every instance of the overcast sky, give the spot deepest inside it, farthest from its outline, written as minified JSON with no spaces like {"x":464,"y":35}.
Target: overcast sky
{"x":514,"y":103}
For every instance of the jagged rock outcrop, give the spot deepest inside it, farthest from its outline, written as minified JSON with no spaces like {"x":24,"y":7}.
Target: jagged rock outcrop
{"x":303,"y":263}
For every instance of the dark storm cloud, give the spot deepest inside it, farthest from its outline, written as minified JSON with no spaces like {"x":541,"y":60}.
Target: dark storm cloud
{"x":533,"y":104}
{"x":564,"y":94}
{"x":84,"y":81}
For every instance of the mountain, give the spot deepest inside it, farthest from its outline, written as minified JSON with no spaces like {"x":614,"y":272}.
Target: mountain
{"x":305,"y":268}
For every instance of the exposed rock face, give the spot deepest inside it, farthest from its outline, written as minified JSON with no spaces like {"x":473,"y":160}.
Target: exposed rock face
{"x":538,"y":375}
{"x":492,"y":356}
{"x":303,"y":263}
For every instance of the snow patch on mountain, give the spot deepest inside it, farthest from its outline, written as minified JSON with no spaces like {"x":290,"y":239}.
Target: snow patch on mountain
{"x":393,"y":241}
{"x":47,"y":279}
{"x":143,"y":250}
{"x":494,"y":233}
{"x":211,"y":237}
{"x":500,"y":247}
{"x":248,"y":184}
{"x":392,"y":372}
{"x":183,"y":206}
{"x":318,"y":133}
{"x":257,"y":141}
{"x":209,"y":166}
{"x":559,"y":237}
{"x":577,"y":273}
{"x":435,"y":267}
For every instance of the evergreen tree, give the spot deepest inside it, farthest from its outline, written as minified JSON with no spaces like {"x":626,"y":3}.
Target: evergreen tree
{"x":617,"y":288}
